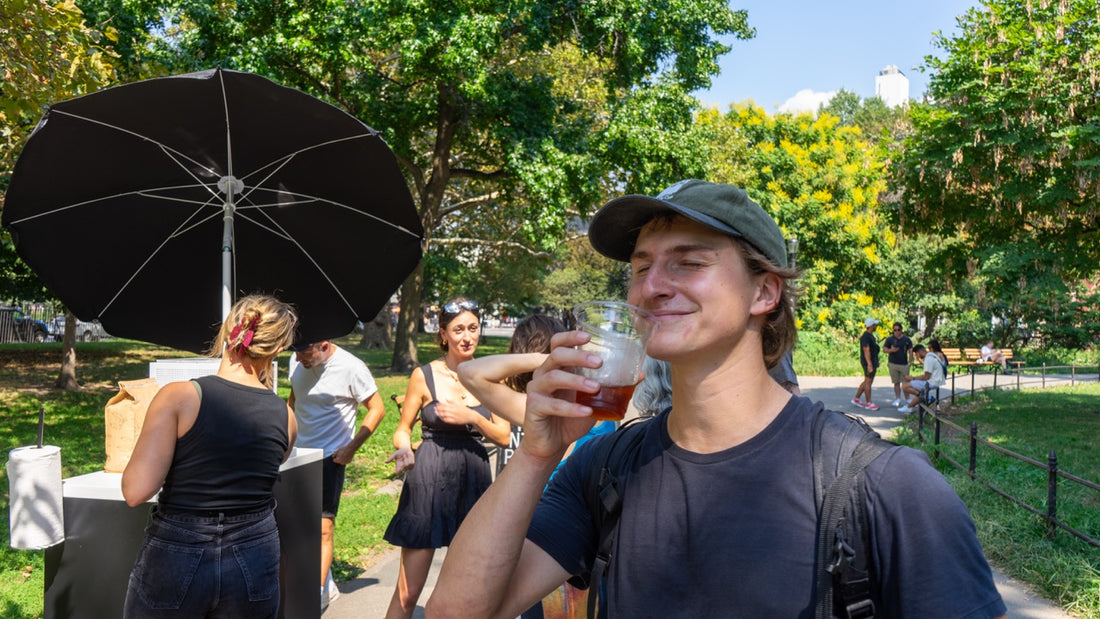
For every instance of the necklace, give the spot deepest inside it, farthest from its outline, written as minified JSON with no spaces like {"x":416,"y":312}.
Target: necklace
{"x":454,"y":376}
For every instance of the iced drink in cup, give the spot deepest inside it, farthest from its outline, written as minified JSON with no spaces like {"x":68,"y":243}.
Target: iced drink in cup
{"x":619,"y":332}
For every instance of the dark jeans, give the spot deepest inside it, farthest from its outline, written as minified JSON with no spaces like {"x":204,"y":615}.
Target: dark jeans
{"x":206,"y":566}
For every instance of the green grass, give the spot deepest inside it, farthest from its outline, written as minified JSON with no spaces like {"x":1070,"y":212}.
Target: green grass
{"x":1032,"y":423}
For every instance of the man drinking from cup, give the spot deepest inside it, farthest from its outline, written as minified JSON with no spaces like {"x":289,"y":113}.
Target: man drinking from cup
{"x":719,"y":513}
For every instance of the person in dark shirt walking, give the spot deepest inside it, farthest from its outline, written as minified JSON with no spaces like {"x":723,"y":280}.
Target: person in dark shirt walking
{"x":868,"y":358}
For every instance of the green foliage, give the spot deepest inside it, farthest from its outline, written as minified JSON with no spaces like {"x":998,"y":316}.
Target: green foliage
{"x":963,"y":328}
{"x":1006,"y":152}
{"x":826,"y":353}
{"x":49,"y":54}
{"x":874,"y":118}
{"x":584,"y":275}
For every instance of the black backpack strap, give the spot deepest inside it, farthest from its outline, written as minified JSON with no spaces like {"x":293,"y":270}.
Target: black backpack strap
{"x":603,"y":494}
{"x":843,"y":446}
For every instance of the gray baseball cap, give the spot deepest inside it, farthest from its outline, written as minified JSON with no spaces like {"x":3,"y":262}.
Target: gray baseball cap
{"x":614,"y":229}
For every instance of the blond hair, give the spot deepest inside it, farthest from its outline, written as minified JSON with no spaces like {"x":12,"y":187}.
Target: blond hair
{"x":258,"y":326}
{"x":780,"y":330}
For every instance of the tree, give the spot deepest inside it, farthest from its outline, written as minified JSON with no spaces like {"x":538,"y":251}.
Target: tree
{"x":1007,"y":151}
{"x":821,"y":181}
{"x":488,"y":106}
{"x":584,"y":275}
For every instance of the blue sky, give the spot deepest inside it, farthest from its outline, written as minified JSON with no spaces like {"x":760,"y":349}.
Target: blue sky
{"x":823,"y":46}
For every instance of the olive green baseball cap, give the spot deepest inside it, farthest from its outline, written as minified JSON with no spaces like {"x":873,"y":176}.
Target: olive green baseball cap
{"x":614,"y":229}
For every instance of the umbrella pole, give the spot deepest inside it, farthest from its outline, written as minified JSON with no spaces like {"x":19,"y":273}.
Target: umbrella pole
{"x":227,"y":256}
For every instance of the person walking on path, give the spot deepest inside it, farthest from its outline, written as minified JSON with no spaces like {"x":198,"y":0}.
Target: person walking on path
{"x":326,"y":388}
{"x":868,"y":359}
{"x":735,"y":447}
{"x":450,"y":469}
{"x":212,"y":447}
{"x":899,"y":350}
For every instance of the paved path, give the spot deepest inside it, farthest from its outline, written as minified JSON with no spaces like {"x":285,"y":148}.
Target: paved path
{"x":368,"y":595}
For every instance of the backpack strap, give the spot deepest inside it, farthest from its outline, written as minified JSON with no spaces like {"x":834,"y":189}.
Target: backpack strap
{"x":843,"y":446}
{"x":603,"y":496}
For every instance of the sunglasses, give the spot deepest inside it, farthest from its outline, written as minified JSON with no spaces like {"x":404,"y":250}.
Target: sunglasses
{"x":460,"y":306}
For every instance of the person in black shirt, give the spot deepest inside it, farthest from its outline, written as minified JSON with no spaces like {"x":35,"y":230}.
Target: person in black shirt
{"x":900,"y":350}
{"x":868,"y":358}
{"x":212,"y":447}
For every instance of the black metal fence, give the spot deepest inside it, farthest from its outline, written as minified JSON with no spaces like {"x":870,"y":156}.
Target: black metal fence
{"x":1054,"y":475}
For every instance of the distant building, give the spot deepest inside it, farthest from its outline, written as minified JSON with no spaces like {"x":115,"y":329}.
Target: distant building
{"x":892,"y":86}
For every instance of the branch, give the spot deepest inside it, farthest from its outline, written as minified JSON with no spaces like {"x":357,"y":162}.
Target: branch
{"x":488,"y":243}
{"x":414,"y":171}
{"x":476,"y":174}
{"x":482,"y":199}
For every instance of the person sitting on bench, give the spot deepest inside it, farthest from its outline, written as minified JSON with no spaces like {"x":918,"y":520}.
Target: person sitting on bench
{"x":993,"y":355}
{"x":935,"y":371}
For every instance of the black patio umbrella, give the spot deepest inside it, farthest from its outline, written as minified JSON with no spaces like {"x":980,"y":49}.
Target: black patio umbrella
{"x":151,"y":206}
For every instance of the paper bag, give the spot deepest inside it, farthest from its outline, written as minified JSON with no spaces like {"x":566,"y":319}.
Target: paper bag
{"x":125,"y":414}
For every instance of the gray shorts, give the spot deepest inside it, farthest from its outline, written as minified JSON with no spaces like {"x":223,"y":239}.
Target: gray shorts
{"x":898,"y":372}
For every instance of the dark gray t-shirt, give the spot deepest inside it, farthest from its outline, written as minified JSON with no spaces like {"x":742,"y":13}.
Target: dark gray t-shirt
{"x":732,"y":534}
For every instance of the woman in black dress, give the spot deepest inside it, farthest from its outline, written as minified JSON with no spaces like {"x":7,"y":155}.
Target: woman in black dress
{"x":450,"y":470}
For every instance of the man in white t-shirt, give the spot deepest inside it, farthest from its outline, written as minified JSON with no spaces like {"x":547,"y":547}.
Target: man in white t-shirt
{"x":935,"y":371}
{"x":327,"y":386}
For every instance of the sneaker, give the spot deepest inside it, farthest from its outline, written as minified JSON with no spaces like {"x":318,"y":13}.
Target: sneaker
{"x":896,"y":403}
{"x":906,"y":409}
{"x":858,"y":403}
{"x":333,"y":592}
{"x":329,"y":592}
{"x":871,"y":406}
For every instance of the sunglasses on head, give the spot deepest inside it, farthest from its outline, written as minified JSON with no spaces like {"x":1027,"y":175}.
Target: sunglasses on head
{"x":460,"y":306}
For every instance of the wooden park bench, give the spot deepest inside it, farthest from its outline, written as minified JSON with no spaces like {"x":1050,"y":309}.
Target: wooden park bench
{"x":957,"y":357}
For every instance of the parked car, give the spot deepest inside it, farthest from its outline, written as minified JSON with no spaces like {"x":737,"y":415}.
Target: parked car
{"x":15,"y":326}
{"x":85,"y":331}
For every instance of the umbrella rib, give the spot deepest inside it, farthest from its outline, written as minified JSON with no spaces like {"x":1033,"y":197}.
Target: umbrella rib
{"x":308,"y":198}
{"x":285,"y":159}
{"x":147,"y":260}
{"x":308,"y":256}
{"x":168,"y":150}
{"x":138,"y":192}
{"x":228,"y":131}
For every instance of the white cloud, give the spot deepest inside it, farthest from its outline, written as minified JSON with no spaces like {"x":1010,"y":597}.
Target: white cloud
{"x":806,"y":101}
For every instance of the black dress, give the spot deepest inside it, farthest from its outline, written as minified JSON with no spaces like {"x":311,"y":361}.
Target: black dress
{"x":451,"y":474}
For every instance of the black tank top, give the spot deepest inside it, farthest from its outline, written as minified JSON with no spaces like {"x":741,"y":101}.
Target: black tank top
{"x":230,"y":458}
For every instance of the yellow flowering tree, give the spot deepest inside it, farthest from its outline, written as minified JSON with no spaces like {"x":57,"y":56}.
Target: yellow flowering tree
{"x":821,"y":180}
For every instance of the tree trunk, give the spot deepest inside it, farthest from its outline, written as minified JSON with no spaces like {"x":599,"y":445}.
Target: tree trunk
{"x":376,"y":333}
{"x":409,"y":322}
{"x":430,"y":197}
{"x":66,"y":379}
